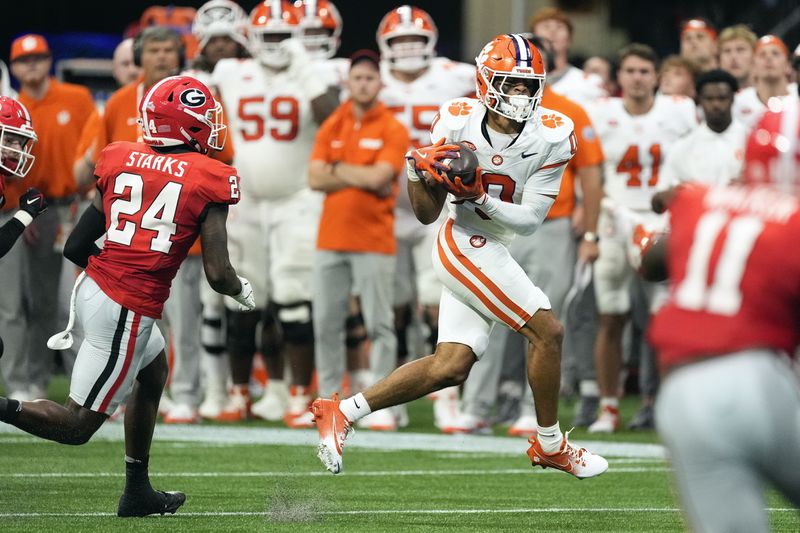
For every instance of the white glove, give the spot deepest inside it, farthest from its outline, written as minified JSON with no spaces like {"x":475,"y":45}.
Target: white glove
{"x":302,"y":68}
{"x":246,"y":299}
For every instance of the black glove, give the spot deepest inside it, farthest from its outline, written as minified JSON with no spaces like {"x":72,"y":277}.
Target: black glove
{"x":33,"y":202}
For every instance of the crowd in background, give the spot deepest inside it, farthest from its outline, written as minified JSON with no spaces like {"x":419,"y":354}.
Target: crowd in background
{"x":324,"y":231}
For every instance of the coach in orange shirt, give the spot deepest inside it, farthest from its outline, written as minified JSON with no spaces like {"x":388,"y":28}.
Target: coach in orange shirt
{"x":358,"y":153}
{"x":30,"y":272}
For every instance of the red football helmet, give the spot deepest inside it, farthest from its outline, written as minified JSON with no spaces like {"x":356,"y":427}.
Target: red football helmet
{"x":16,"y":138}
{"x":407,"y":21}
{"x":321,"y":27}
{"x":772,"y":154}
{"x":181,"y":110}
{"x":271,"y":23}
{"x":505,"y":61}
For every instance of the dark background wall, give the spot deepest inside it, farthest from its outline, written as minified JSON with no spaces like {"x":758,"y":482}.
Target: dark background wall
{"x":111,"y":17}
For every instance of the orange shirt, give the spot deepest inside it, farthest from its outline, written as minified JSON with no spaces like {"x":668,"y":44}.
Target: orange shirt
{"x":589,"y":151}
{"x":355,"y":220}
{"x":58,"y":121}
{"x":119,"y":123}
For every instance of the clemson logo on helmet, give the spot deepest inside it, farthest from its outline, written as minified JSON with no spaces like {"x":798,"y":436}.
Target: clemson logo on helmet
{"x":459,"y":108}
{"x":552,"y":121}
{"x":192,"y":97}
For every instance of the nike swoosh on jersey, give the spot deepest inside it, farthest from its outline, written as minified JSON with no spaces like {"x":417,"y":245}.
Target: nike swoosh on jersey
{"x":523,"y":155}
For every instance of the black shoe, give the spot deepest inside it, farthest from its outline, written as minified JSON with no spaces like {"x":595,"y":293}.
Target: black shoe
{"x":644,"y":419}
{"x":151,"y":502}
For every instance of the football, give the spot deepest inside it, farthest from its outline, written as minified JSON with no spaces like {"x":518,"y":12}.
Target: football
{"x":463,"y":166}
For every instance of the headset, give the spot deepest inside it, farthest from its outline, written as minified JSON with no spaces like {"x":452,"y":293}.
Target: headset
{"x":158,"y":33}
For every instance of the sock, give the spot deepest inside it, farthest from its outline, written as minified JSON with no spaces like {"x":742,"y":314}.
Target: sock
{"x":355,"y":407}
{"x":609,"y":401}
{"x":588,"y":387}
{"x":9,"y":410}
{"x":240,"y":390}
{"x":550,"y":438}
{"x":136,"y":478}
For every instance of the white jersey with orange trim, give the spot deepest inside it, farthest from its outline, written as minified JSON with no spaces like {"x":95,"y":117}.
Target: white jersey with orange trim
{"x":748,"y":107}
{"x":635,"y":145}
{"x":531,"y":162}
{"x":705,"y":156}
{"x":578,"y":85}
{"x":415,"y":105}
{"x":271,"y":124}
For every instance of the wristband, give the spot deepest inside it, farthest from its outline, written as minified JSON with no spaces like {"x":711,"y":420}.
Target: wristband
{"x":24,"y":217}
{"x":591,"y":236}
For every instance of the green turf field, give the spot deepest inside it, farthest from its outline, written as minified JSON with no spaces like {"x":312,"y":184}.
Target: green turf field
{"x":256,"y":477}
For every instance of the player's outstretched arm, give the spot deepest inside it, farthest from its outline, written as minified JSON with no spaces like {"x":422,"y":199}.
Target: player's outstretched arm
{"x":217,"y":265}
{"x":31,"y":205}
{"x":81,"y":243}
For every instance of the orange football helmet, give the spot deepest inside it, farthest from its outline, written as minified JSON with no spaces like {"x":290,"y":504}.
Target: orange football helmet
{"x":271,"y":23}
{"x":407,"y":21}
{"x":321,"y":27}
{"x":772,"y":154}
{"x":504,"y":62}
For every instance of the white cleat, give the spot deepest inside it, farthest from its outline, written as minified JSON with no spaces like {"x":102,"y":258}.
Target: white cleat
{"x":272,"y":406}
{"x":579,"y":462}
{"x":607,"y":421}
{"x":524,"y":426}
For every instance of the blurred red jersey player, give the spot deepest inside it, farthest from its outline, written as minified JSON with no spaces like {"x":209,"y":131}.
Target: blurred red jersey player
{"x":729,"y":407}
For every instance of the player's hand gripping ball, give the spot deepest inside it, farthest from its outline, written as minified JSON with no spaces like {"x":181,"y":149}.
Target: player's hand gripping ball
{"x":462,"y":166}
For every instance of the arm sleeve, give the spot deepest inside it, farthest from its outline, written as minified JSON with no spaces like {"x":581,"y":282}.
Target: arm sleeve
{"x":81,"y":242}
{"x":9,"y":233}
{"x":523,"y":219}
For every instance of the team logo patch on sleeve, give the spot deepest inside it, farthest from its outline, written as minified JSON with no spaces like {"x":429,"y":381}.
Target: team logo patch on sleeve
{"x":192,"y":97}
{"x":459,"y":108}
{"x":552,"y":121}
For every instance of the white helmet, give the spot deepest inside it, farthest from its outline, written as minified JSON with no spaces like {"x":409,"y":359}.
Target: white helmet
{"x":220,"y":18}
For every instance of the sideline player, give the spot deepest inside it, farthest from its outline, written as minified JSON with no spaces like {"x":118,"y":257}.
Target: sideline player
{"x":277,"y":99}
{"x":523,"y":150}
{"x":416,"y":84}
{"x":729,"y":405}
{"x":153,"y":200}
{"x":637,"y":132}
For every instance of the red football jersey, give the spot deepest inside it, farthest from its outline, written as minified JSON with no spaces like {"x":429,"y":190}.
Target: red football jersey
{"x":153,"y":203}
{"x":734,"y":268}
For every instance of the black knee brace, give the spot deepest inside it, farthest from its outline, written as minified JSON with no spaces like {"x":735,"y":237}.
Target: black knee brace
{"x":355,"y":332}
{"x":242,"y":332}
{"x":295,"y":321}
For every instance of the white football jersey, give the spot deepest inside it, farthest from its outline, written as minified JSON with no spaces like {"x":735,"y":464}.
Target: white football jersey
{"x":748,"y":107}
{"x":578,"y":85}
{"x":533,"y":163}
{"x":271,"y":124}
{"x":635,"y":146}
{"x":705,"y":156}
{"x":415,"y":105}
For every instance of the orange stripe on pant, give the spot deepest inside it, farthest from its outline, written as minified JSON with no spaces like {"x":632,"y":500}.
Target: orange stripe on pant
{"x":473,"y":289}
{"x":496,"y":291}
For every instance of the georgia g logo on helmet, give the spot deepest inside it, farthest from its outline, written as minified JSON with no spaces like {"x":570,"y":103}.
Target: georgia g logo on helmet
{"x":192,"y":97}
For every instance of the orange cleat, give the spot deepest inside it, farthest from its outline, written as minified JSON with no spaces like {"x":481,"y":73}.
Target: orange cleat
{"x":333,"y":429}
{"x":579,"y":462}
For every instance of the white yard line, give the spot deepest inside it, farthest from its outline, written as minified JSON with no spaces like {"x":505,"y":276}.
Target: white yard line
{"x":387,"y":442}
{"x":367,"y":473}
{"x":370,"y":512}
